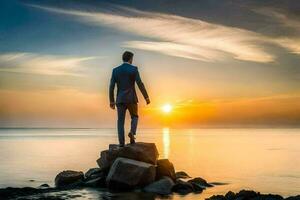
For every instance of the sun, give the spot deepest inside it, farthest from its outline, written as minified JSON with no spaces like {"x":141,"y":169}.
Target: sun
{"x":166,"y":108}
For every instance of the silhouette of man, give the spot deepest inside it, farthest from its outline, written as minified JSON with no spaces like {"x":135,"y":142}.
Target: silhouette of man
{"x":125,"y":76}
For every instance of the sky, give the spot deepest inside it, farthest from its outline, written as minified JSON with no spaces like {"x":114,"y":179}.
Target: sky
{"x":216,"y":63}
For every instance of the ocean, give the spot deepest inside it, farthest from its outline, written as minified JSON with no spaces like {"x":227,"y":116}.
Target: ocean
{"x":264,"y":160}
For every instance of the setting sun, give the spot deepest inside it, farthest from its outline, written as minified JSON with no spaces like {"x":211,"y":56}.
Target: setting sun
{"x":167,"y":108}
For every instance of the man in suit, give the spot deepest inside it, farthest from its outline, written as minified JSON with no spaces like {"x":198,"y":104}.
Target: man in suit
{"x":125,"y":76}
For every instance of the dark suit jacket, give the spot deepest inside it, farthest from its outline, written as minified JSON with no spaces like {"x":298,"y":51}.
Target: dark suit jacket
{"x":125,"y":76}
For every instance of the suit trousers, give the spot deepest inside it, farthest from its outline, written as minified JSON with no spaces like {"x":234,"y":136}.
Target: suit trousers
{"x":133,"y":110}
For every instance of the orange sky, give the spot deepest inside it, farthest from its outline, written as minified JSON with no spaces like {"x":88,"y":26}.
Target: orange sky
{"x":212,"y":67}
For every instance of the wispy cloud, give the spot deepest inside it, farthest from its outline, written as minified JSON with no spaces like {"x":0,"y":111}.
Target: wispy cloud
{"x":290,"y":42}
{"x":23,"y":62}
{"x":179,"y":36}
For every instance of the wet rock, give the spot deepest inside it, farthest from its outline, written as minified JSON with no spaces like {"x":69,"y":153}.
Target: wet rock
{"x":162,"y":187}
{"x":95,"y":182}
{"x":246,"y":195}
{"x":230,"y":195}
{"x":13,"y":193}
{"x":268,"y":197}
{"x":182,"y":187}
{"x":144,"y":152}
{"x":128,"y":174}
{"x":44,"y":186}
{"x":216,"y":197}
{"x":181,"y":174}
{"x":197,"y":188}
{"x":218,"y":183}
{"x":200,"y":182}
{"x":293,"y":198}
{"x":69,"y":178}
{"x":165,"y":168}
{"x":94,"y":173}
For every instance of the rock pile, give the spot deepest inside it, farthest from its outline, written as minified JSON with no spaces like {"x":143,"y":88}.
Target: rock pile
{"x":134,"y":166}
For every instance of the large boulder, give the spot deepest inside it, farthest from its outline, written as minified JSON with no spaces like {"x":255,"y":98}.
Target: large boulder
{"x":69,"y":178}
{"x":128,"y":174}
{"x":161,"y":187}
{"x":165,"y":168}
{"x":144,"y":152}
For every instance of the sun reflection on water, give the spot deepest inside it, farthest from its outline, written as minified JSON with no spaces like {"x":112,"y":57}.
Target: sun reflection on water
{"x":166,"y":141}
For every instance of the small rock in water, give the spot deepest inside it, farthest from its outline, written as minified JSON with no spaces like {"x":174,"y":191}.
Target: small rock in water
{"x":182,"y":187}
{"x":165,"y":168}
{"x":93,"y":173}
{"x":69,"y":178}
{"x":218,"y":183}
{"x":44,"y":186}
{"x":181,"y":174}
{"x":31,"y":180}
{"x":230,"y":195}
{"x":247,"y":195}
{"x":200,"y":182}
{"x":293,"y":198}
{"x":96,"y":182}
{"x":161,"y":187}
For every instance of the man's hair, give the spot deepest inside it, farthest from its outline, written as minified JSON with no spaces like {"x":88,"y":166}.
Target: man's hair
{"x":127,"y":55}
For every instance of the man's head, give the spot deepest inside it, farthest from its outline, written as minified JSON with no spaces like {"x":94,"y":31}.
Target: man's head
{"x":127,"y":57}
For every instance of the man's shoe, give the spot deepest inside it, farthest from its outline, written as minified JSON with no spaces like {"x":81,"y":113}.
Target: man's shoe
{"x":132,"y":138}
{"x":121,"y":145}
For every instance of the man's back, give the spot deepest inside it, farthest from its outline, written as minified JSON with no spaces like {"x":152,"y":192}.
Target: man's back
{"x":125,"y":77}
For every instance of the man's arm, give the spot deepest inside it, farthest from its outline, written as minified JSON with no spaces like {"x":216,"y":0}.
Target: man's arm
{"x":142,"y":87}
{"x":111,"y":91}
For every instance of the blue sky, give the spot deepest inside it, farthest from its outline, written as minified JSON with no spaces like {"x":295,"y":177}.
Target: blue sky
{"x":209,"y":55}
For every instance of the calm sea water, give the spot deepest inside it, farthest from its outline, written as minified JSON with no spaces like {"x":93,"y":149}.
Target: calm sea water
{"x":265,"y":160}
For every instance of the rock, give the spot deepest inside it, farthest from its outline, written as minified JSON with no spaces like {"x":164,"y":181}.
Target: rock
{"x":181,"y":174}
{"x":128,"y":174}
{"x":293,"y":198}
{"x":95,"y":182}
{"x":144,"y":152}
{"x":44,"y":186}
{"x":246,"y":194}
{"x":200,"y":182}
{"x":182,"y":187}
{"x":165,"y":168}
{"x":216,"y":197}
{"x":230,"y":195}
{"x":218,"y":183}
{"x":94,"y":173}
{"x":269,"y":197}
{"x":69,"y":178}
{"x":162,"y":187}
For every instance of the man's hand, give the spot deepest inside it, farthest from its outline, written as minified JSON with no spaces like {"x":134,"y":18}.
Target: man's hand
{"x":112,"y":105}
{"x":148,"y":101}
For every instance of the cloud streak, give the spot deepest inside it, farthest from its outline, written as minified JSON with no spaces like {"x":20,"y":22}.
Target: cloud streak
{"x":179,"y":36}
{"x":23,"y":62}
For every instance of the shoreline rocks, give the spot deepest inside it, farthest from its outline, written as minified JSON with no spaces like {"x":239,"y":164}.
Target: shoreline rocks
{"x":134,"y":167}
